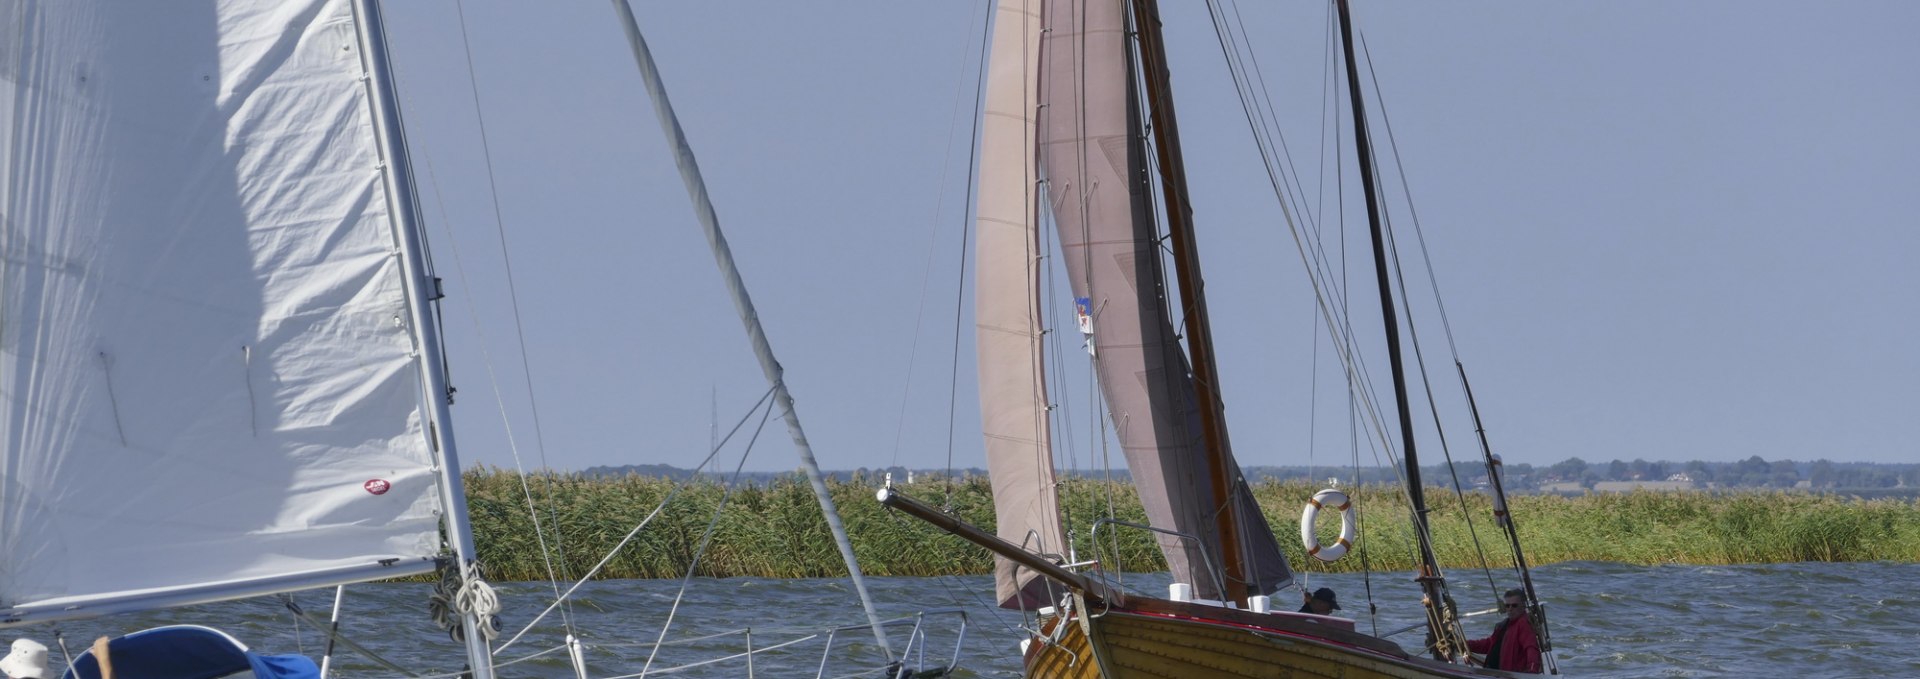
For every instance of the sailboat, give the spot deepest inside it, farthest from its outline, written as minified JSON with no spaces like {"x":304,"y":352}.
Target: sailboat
{"x":1078,"y":112}
{"x":220,"y":357}
{"x":220,"y":369}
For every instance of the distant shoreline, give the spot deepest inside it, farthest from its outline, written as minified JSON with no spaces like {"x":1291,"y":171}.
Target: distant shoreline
{"x":1872,"y":479}
{"x":774,"y":528}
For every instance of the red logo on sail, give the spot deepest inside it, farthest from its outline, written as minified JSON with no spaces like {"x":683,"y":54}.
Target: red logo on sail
{"x":378,"y":486}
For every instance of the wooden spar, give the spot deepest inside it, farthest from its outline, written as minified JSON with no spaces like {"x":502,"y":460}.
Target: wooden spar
{"x":1186,"y":266}
{"x":1430,"y":581}
{"x":1015,"y":553}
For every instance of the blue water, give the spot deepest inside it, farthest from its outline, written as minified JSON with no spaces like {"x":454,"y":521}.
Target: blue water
{"x":1608,"y":620}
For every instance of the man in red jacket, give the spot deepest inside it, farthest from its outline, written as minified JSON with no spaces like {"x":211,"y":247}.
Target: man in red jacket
{"x":1512,"y":646}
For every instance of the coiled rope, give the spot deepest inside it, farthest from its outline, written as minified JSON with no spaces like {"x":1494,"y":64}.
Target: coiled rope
{"x":464,"y":592}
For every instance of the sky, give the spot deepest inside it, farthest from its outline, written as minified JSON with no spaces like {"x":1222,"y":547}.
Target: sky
{"x":1669,"y":231}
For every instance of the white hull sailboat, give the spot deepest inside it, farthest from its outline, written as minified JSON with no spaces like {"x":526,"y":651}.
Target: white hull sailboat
{"x":220,"y":363}
{"x":221,"y":375}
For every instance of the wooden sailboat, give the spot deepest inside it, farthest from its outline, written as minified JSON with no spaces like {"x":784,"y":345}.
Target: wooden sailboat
{"x":1078,"y":102}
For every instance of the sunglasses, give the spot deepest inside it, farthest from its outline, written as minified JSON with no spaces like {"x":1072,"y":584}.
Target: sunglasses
{"x":1512,"y":606}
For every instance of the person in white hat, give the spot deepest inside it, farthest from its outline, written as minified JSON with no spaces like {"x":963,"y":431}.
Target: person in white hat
{"x":27,"y":661}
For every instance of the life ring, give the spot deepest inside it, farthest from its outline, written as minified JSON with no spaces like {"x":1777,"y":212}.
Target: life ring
{"x":1349,"y":527}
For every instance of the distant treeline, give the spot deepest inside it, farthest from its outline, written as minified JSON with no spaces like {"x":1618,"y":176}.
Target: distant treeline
{"x":1752,"y":472}
{"x":1569,"y":475}
{"x":774,"y":528}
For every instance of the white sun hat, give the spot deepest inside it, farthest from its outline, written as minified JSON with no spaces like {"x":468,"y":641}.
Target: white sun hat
{"x":27,"y":661}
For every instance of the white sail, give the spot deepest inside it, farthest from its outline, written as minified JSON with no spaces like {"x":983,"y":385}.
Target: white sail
{"x":208,"y":382}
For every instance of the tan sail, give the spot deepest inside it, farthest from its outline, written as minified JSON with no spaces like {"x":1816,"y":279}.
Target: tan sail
{"x":1007,"y":323}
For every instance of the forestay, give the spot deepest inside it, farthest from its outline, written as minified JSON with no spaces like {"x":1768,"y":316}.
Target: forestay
{"x":208,"y":384}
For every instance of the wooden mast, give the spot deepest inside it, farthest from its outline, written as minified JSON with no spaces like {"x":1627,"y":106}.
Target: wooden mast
{"x":1437,"y":605}
{"x":1193,"y":302}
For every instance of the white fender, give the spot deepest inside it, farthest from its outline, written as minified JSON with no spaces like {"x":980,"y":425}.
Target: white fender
{"x":1349,"y":527}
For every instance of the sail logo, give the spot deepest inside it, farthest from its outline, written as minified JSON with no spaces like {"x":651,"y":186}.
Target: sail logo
{"x":378,"y":486}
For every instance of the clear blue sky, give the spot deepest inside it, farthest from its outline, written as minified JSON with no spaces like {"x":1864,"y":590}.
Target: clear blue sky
{"x":1663,"y":230}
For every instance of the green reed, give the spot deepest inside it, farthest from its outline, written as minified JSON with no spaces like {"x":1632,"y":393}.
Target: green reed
{"x":775,"y":529}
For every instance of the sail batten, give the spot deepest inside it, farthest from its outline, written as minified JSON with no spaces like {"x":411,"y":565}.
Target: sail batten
{"x":207,"y":368}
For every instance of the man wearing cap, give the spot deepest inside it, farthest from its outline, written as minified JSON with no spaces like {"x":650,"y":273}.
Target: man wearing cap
{"x":1322,"y":602}
{"x":27,"y":661}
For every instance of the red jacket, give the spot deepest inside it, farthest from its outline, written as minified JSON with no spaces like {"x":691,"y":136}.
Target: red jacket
{"x":1519,"y":650}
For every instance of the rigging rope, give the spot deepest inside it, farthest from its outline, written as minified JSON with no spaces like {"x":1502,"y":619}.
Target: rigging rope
{"x":464,"y":591}
{"x":513,"y":291}
{"x":1520,"y":565}
{"x":1406,"y":303}
{"x":706,"y":538}
{"x":959,"y":295}
{"x":672,"y":492}
{"x":1312,"y":256}
{"x":499,"y":223}
{"x":933,"y":238}
{"x":493,"y":381}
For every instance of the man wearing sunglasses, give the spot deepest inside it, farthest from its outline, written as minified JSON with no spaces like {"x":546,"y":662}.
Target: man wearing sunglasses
{"x":1512,"y":646}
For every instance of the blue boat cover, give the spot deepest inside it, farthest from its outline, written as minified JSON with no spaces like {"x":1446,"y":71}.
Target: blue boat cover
{"x":188,"y":652}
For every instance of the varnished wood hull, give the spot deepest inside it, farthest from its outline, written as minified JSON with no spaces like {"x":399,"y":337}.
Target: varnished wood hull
{"x":1137,"y":644}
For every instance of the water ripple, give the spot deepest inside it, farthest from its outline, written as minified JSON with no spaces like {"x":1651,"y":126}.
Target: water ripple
{"x":1608,"y":620}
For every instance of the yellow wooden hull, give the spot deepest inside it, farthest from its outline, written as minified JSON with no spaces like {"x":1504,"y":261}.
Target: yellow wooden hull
{"x":1137,"y":644}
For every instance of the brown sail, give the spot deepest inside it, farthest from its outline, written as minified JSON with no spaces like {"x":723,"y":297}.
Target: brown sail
{"x":1093,"y":160}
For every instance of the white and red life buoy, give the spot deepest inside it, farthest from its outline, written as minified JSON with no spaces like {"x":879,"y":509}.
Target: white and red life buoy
{"x":1349,"y":527}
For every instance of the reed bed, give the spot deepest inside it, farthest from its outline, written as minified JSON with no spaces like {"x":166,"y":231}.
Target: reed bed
{"x":776,"y":530}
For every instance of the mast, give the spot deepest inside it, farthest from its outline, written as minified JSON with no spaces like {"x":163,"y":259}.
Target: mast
{"x":743,"y":303}
{"x":1439,"y":615}
{"x":421,"y":292}
{"x":1222,"y":472}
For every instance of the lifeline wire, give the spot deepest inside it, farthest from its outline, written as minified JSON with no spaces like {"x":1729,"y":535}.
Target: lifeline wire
{"x":643,"y":523}
{"x":706,"y":538}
